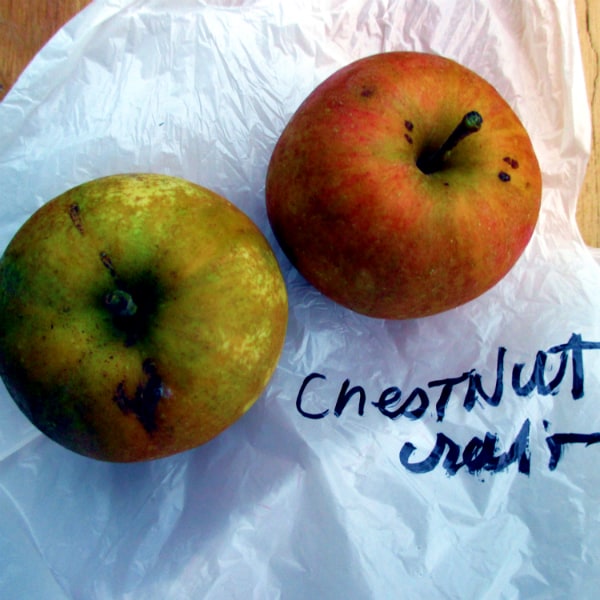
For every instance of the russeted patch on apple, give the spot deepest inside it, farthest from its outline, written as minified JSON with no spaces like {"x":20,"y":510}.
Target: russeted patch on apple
{"x":403,"y":186}
{"x":140,"y":316}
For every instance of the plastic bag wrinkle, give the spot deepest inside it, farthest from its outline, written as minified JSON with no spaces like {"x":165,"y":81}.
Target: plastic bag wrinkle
{"x":280,"y":505}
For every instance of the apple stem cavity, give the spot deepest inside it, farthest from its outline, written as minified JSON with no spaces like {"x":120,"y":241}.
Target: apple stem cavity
{"x":434,"y":161}
{"x":120,"y":303}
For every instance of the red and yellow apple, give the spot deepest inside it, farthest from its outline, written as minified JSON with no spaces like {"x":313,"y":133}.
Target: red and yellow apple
{"x":403,"y":186}
{"x":140,"y":316}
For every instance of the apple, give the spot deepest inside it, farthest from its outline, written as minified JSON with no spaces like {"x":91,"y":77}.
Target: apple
{"x":403,"y":186}
{"x":140,"y":316}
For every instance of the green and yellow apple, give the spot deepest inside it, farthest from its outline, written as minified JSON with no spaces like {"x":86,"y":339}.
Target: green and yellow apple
{"x":140,"y":315}
{"x":404,"y":185}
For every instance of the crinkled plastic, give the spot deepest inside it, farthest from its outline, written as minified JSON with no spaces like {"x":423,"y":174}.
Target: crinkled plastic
{"x":454,"y":456}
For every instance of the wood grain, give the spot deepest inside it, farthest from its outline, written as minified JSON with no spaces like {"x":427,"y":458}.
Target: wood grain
{"x":26,"y":25}
{"x":588,"y":208}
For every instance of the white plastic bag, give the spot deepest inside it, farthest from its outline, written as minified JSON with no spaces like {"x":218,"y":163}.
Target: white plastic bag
{"x":484,"y":485}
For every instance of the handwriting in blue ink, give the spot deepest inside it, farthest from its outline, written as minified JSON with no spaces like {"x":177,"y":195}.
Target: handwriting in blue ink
{"x":479,"y":454}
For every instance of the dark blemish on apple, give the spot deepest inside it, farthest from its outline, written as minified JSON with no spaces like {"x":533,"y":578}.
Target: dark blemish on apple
{"x":367,"y":92}
{"x":409,"y":126}
{"x":503,"y":176}
{"x":147,"y":396}
{"x":446,"y":184}
{"x":107,"y":262}
{"x":120,"y":398}
{"x":75,"y":216}
{"x":511,"y":161}
{"x":408,"y":138}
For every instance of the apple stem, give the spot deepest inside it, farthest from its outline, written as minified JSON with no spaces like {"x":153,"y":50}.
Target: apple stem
{"x":120,"y":303}
{"x":432,"y":162}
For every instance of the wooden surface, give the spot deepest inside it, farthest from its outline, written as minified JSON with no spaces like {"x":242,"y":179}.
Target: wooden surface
{"x":26,"y":25}
{"x":588,"y":207}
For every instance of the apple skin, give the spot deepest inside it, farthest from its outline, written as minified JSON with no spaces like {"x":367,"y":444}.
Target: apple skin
{"x":365,"y":225}
{"x":205,"y":339}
